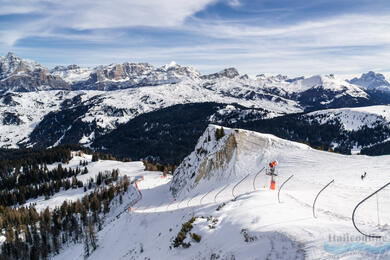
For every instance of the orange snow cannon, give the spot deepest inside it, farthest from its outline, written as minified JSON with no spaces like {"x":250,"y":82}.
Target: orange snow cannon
{"x":273,"y":164}
{"x":273,"y":184}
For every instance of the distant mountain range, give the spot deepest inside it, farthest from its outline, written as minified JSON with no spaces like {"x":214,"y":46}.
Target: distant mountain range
{"x":93,"y":106}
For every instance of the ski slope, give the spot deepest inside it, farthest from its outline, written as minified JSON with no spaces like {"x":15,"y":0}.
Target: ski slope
{"x":273,"y":230}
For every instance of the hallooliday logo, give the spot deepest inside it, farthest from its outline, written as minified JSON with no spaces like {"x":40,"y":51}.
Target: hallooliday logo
{"x":375,"y":250}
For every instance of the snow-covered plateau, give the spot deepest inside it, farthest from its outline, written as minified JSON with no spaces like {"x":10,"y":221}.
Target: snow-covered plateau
{"x":222,"y":191}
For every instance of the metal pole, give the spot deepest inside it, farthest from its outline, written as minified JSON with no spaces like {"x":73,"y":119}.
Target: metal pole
{"x":238,"y":184}
{"x":215,"y":197}
{"x":377,"y":209}
{"x":191,"y":199}
{"x":354,"y":210}
{"x":254,"y":179}
{"x":281,"y":186}
{"x":204,"y":197}
{"x":314,"y":203}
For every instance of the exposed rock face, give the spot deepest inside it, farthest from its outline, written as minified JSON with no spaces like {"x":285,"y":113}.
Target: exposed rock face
{"x":218,"y":160}
{"x":226,"y":73}
{"x":213,"y":157}
{"x":22,"y":76}
{"x":11,"y":119}
{"x":127,"y":75}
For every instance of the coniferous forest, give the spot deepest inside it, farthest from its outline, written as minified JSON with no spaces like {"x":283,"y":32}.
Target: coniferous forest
{"x":33,"y":234}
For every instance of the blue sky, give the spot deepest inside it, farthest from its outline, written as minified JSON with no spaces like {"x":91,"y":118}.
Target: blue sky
{"x":274,"y":36}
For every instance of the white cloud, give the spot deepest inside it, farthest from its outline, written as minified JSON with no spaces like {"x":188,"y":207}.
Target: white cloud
{"x":97,"y":14}
{"x":49,"y":15}
{"x":234,"y":3}
{"x":338,"y":31}
{"x":346,"y":44}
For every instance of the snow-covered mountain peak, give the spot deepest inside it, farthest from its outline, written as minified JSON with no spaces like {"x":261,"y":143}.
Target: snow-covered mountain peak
{"x":327,"y":83}
{"x":72,"y":73}
{"x":172,"y":64}
{"x":126,"y":75}
{"x":23,"y":75}
{"x":272,"y":79}
{"x":229,"y":73}
{"x":353,"y":119}
{"x":11,"y":65}
{"x":370,"y":80}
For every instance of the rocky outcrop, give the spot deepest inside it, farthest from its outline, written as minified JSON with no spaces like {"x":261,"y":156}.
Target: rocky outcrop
{"x":128,"y":75}
{"x":23,"y":76}
{"x":229,"y":73}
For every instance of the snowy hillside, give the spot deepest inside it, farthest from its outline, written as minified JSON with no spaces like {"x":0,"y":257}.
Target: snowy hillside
{"x":104,"y":111}
{"x":254,"y":225}
{"x":94,"y":102}
{"x":354,"y":119}
{"x":20,"y":113}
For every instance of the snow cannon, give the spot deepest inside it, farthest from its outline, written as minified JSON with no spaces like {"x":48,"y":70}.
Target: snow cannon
{"x":273,"y":184}
{"x":273,"y":164}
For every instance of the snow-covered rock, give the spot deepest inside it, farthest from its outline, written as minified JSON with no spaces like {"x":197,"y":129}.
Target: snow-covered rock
{"x":127,"y":75}
{"x":371,"y":80}
{"x":72,"y":73}
{"x":22,"y":75}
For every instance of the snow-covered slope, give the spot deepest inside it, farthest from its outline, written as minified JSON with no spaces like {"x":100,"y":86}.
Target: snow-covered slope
{"x":138,"y":88}
{"x":104,"y":110}
{"x":72,"y":73}
{"x":21,"y":112}
{"x":327,"y":82}
{"x":254,"y":225}
{"x":355,"y":118}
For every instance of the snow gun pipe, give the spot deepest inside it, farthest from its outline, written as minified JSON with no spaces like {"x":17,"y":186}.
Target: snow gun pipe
{"x":354,"y":210}
{"x":203,"y":197}
{"x":215,"y":197}
{"x":314,"y":203}
{"x":254,"y":179}
{"x":281,"y":186}
{"x":238,"y":184}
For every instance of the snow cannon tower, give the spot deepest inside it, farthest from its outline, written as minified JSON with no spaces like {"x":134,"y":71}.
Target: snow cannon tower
{"x":271,"y":172}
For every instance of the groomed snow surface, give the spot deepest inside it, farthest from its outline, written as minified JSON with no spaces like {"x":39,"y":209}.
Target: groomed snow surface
{"x":273,"y":230}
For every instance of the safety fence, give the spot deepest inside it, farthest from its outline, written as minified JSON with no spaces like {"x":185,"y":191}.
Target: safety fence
{"x":233,"y":190}
{"x":134,"y":201}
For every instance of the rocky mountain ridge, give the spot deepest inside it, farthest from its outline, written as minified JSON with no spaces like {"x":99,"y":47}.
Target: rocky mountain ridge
{"x":70,"y":104}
